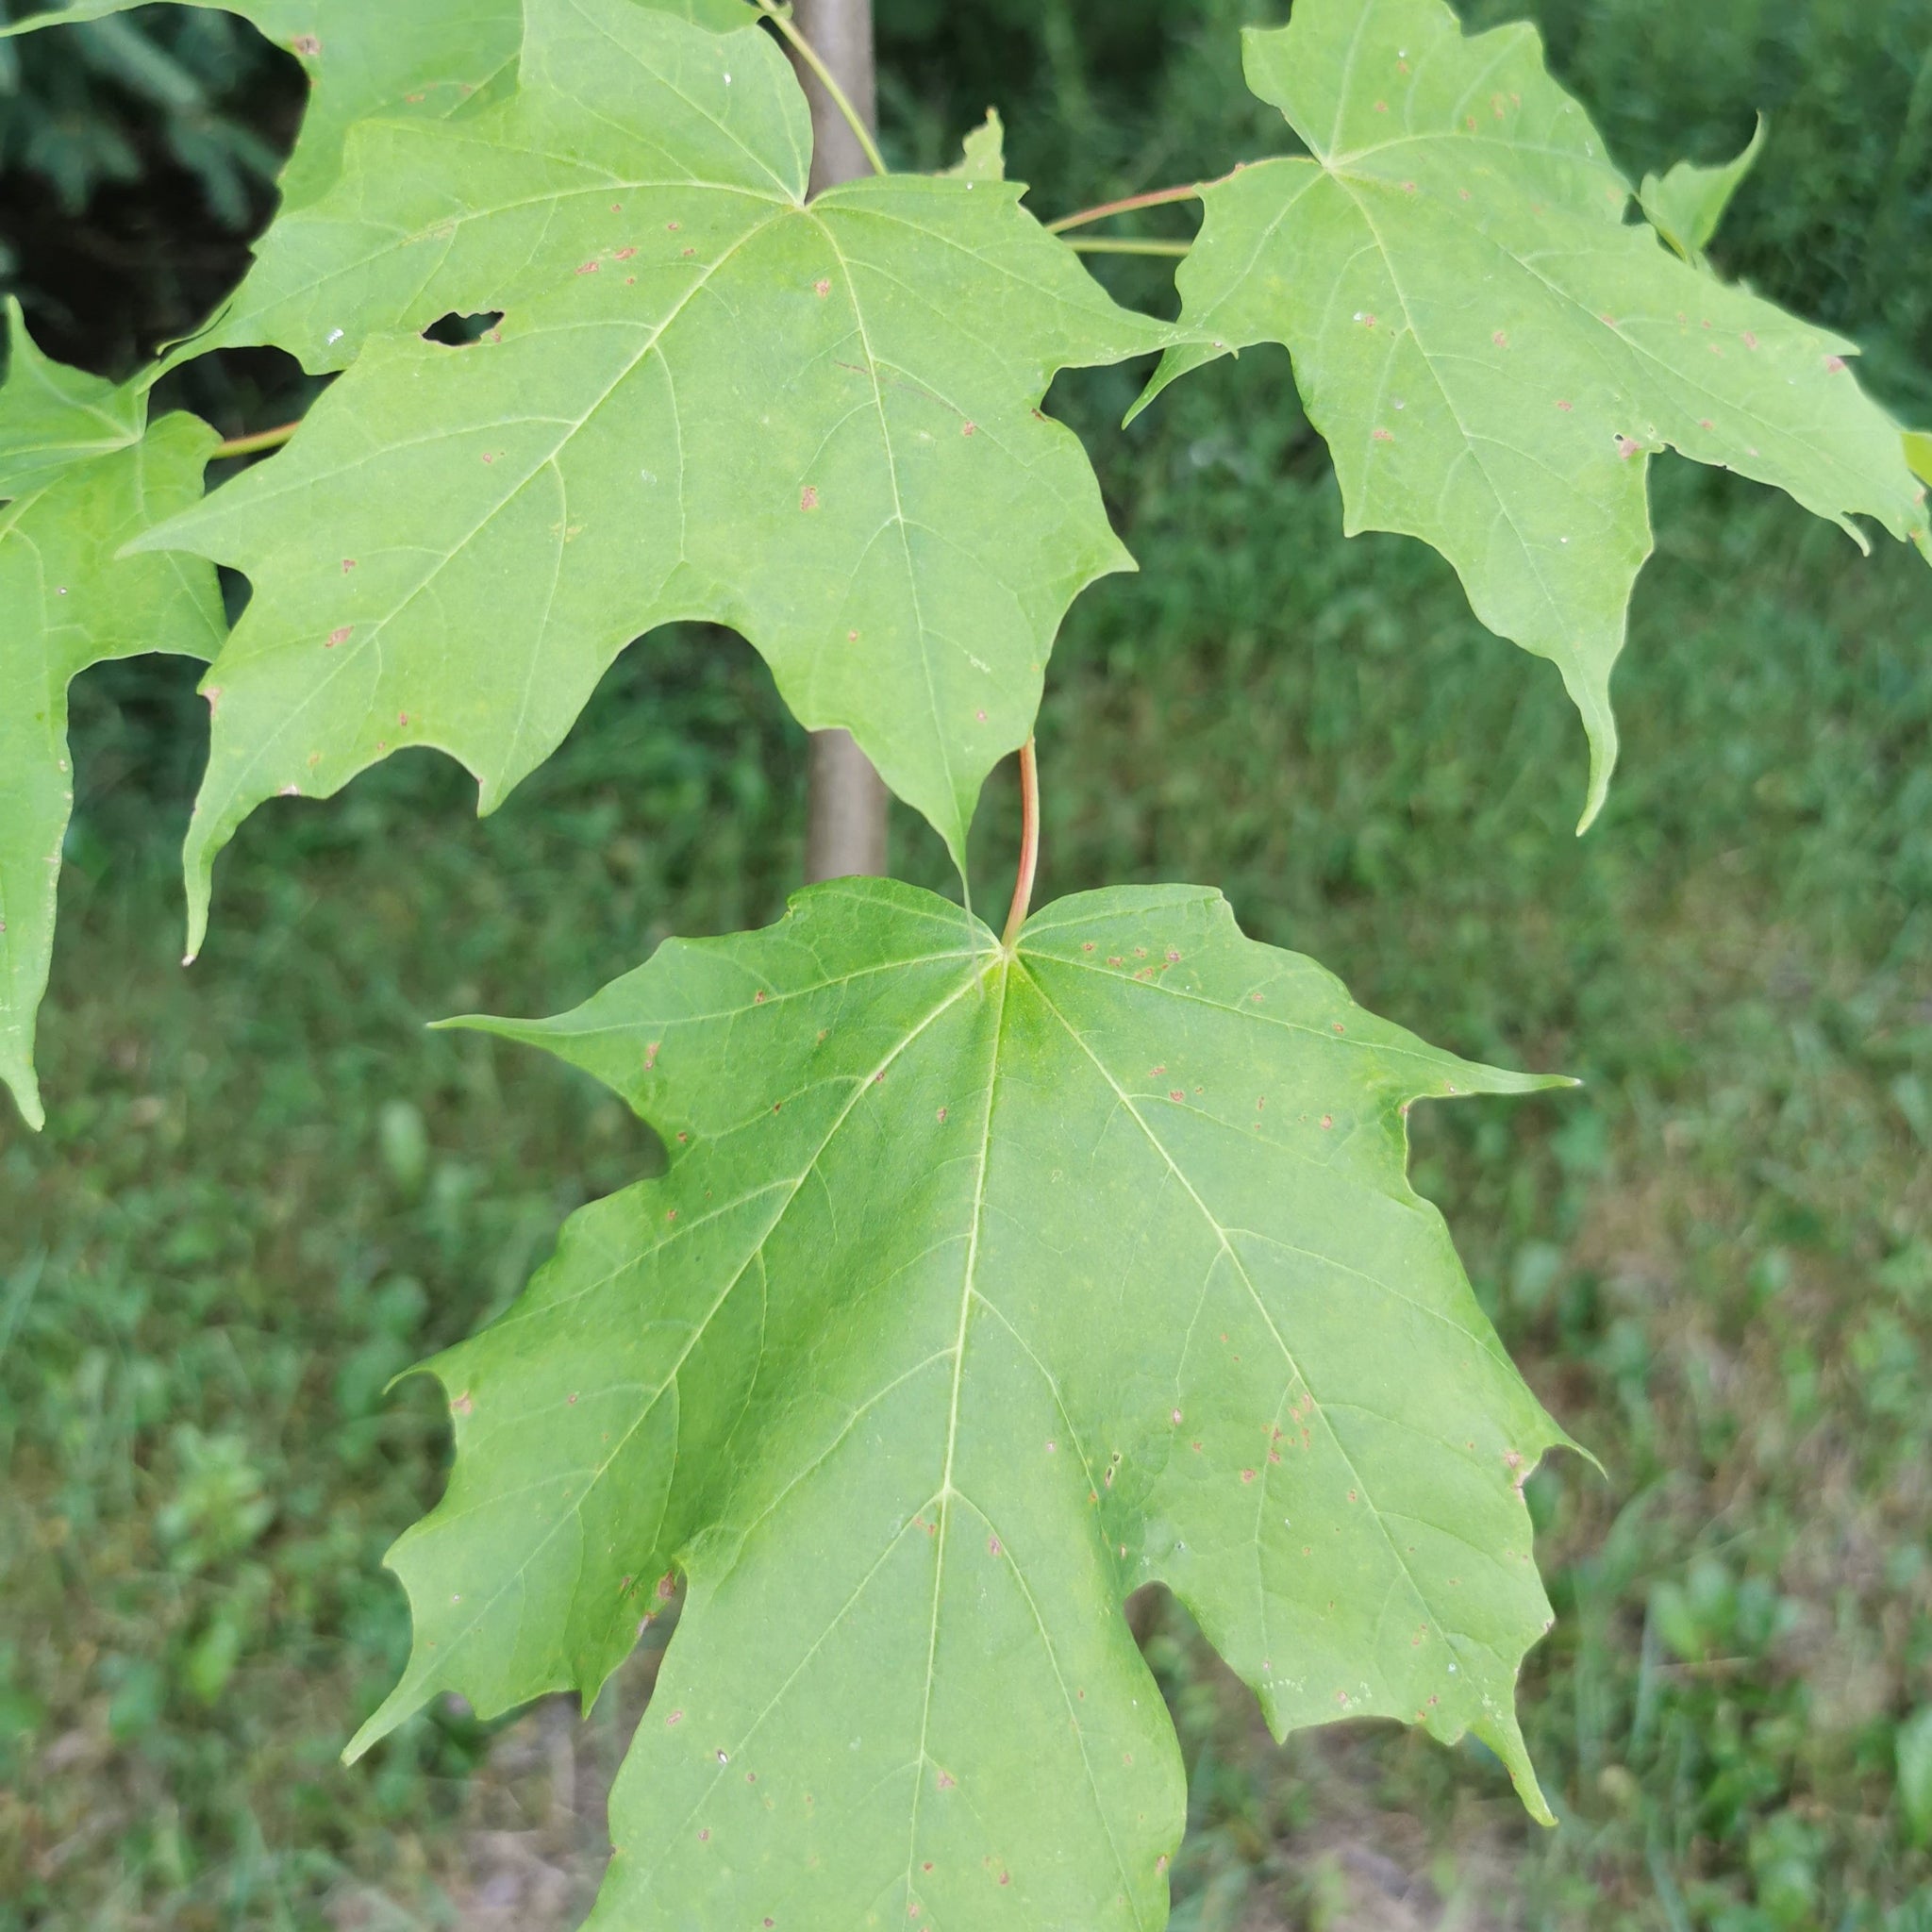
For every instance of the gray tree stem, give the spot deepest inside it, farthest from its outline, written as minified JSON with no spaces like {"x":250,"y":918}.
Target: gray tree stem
{"x":845,"y":831}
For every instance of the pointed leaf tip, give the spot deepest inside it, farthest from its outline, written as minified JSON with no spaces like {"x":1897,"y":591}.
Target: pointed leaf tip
{"x":1489,"y":347}
{"x":84,"y":471}
{"x":1686,"y":205}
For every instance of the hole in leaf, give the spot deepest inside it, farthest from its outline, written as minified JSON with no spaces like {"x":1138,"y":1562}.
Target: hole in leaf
{"x":459,"y":331}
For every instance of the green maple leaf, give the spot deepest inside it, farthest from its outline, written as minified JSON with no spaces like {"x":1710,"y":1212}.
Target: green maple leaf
{"x":816,"y":422}
{"x":983,"y":1289}
{"x":365,"y":57}
{"x":83,"y":478}
{"x":1491,"y":351}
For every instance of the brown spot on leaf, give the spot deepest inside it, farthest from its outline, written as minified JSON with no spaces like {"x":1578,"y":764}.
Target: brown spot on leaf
{"x":808,"y":497}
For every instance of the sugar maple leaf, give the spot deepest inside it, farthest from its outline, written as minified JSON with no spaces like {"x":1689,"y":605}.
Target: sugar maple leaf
{"x":362,"y":58}
{"x":1492,"y":351}
{"x":706,"y":398}
{"x":370,"y":58}
{"x":984,"y":1288}
{"x":85,"y":475}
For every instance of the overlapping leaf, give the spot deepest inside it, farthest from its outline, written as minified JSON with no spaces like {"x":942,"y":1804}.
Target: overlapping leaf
{"x":83,"y":478}
{"x":363,"y":58}
{"x":705,"y":399}
{"x":369,"y":58}
{"x":1491,"y":351}
{"x":983,"y":1287}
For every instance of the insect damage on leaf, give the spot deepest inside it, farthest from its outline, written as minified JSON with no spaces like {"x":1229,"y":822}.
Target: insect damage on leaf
{"x":691,"y":355}
{"x":984,"y":1288}
{"x":1492,"y":351}
{"x":84,"y":476}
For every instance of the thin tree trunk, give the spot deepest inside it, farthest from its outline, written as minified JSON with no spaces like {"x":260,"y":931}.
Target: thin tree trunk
{"x":846,"y":827}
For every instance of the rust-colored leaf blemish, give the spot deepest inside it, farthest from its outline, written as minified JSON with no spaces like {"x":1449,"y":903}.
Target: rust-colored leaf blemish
{"x":808,"y":497}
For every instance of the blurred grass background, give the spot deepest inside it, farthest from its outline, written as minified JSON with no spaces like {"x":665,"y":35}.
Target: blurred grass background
{"x":266,"y":1189}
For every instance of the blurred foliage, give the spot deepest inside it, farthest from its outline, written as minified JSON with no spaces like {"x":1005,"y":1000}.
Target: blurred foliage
{"x":138,"y":155}
{"x":266,"y":1189}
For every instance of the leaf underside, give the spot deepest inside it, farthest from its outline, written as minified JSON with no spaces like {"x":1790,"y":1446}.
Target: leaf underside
{"x":982,"y":1290}
{"x":1492,"y":351}
{"x":84,"y":479}
{"x":706,"y":398}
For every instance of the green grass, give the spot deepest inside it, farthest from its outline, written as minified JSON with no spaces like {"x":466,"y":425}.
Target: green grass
{"x":265,"y":1187}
